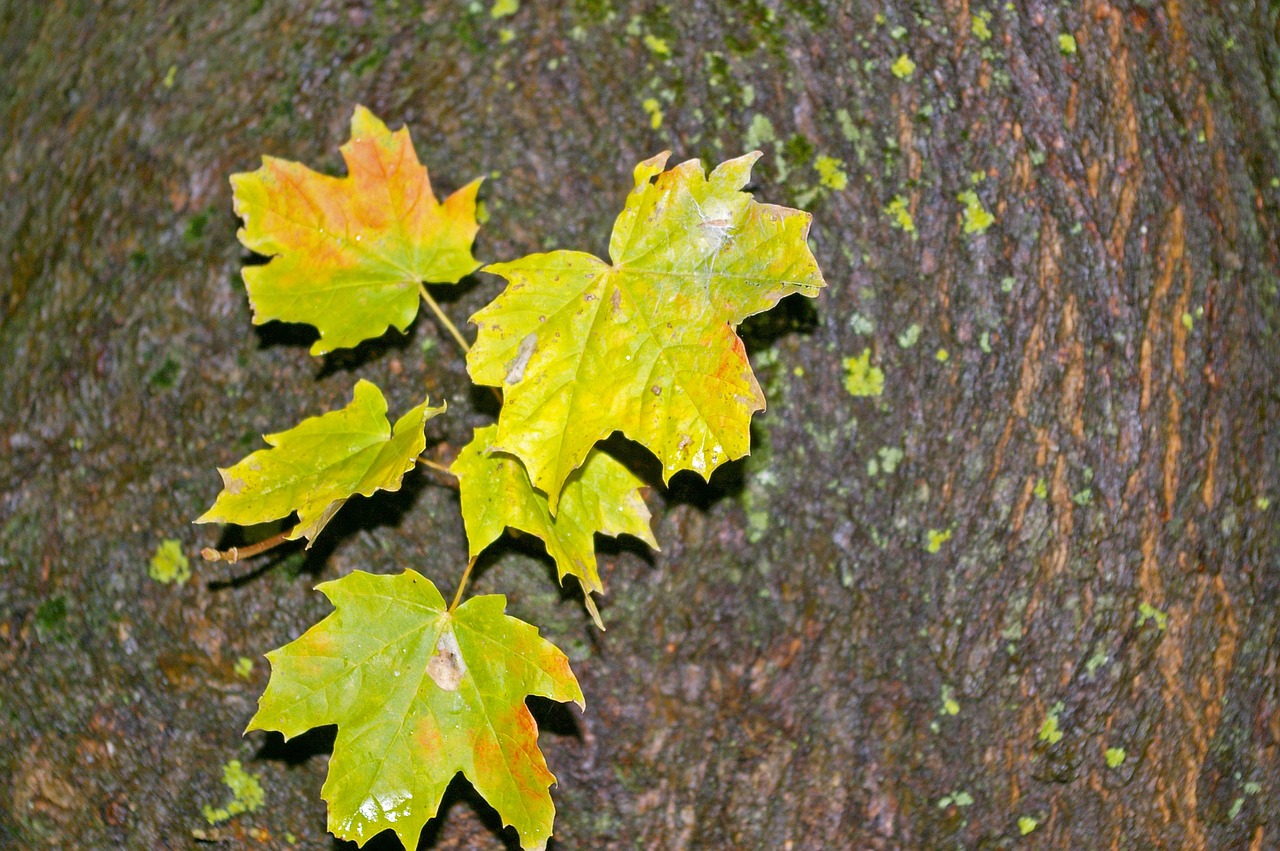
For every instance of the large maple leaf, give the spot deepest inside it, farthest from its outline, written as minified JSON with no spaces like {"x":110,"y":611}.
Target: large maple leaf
{"x":348,"y":254}
{"x":316,"y":466}
{"x":419,"y":693}
{"x":645,"y":345}
{"x":601,"y":496}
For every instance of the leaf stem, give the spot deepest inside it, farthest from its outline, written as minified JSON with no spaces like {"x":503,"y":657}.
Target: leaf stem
{"x":462,"y":583}
{"x":444,"y":320}
{"x":232,"y":555}
{"x":439,"y":468}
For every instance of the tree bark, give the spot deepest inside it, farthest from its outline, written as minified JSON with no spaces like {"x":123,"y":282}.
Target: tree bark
{"x":1030,"y":588}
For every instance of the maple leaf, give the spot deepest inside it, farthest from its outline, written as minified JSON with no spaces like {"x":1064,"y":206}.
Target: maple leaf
{"x":647,"y":345}
{"x":349,"y":252}
{"x":601,"y":496}
{"x":316,"y":466}
{"x":419,"y":693}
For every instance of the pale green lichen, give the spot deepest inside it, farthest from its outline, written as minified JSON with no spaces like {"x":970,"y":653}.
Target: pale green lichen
{"x":244,"y":667}
{"x":903,"y":67}
{"x":890,"y":457}
{"x":908,"y":338}
{"x":976,"y":217}
{"x":899,"y":215}
{"x":760,"y":132}
{"x":1114,"y":757}
{"x":1082,"y":497}
{"x":959,"y":799}
{"x":1148,"y":612}
{"x":1067,"y":44}
{"x":861,"y":378}
{"x":169,"y":564}
{"x":246,"y":794}
{"x":847,"y":128}
{"x":831,"y":172}
{"x":984,"y":342}
{"x":935,"y":538}
{"x":1262,"y":503}
{"x":1026,"y":824}
{"x":1041,"y":490}
{"x":861,"y":324}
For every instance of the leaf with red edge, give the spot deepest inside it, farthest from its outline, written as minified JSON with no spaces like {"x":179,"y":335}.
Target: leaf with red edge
{"x":349,"y":253}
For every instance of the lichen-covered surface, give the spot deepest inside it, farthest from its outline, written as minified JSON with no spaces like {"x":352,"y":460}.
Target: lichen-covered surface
{"x":1029,"y":588}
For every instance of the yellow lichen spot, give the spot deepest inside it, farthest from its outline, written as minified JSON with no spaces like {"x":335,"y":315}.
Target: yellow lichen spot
{"x":169,"y":564}
{"x":1067,"y":44}
{"x":246,"y":794}
{"x":1262,"y":503}
{"x":652,"y":107}
{"x":1026,"y":824}
{"x":935,"y":538}
{"x":1114,"y":757}
{"x":1148,"y":612}
{"x":798,"y":372}
{"x":976,"y":217}
{"x":942,"y":356}
{"x":1188,"y":321}
{"x":1049,"y":730}
{"x":170,"y":76}
{"x":1041,"y":489}
{"x":979,"y":26}
{"x":950,"y":706}
{"x":503,"y":8}
{"x":903,"y":67}
{"x":244,"y":667}
{"x":506,"y":35}
{"x":899,"y":215}
{"x":657,"y":45}
{"x":861,"y":378}
{"x":831,"y":172}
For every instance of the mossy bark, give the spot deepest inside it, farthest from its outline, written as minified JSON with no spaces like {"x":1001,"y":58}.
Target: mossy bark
{"x":796,"y":668}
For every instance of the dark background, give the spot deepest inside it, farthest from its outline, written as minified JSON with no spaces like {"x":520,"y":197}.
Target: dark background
{"x":784,"y":673}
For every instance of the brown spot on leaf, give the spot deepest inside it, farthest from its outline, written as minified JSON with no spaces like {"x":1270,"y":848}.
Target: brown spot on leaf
{"x":447,"y":667}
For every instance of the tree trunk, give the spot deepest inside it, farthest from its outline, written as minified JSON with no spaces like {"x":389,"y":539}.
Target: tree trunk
{"x":1030,"y":588}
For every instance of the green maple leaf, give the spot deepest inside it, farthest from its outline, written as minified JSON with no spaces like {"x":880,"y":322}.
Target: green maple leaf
{"x":419,"y":693}
{"x":319,"y":464}
{"x":601,"y":496}
{"x":647,"y":345}
{"x":349,"y":253}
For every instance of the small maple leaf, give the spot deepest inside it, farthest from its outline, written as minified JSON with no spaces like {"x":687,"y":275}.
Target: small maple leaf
{"x":419,"y":693}
{"x":348,"y":254}
{"x":315,"y":467}
{"x":647,"y":345}
{"x":600,"y":496}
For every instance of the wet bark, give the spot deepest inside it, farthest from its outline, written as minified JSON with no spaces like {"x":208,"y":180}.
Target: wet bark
{"x":810,"y":662}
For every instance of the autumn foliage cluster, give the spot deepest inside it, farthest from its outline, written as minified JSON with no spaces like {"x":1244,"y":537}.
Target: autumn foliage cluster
{"x":578,"y":348}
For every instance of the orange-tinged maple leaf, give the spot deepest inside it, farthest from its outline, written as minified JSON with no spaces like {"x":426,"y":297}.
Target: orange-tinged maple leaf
{"x":349,"y":253}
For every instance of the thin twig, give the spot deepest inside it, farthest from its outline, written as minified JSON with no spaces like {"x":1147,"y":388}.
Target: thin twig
{"x":234,"y":554}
